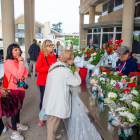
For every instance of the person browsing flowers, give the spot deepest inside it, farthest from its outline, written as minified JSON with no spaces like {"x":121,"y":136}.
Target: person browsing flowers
{"x":44,"y":61}
{"x":15,"y":71}
{"x":126,"y":63}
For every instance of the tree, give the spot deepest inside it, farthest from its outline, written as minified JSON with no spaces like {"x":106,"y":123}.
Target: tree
{"x":75,"y":40}
{"x":57,"y":27}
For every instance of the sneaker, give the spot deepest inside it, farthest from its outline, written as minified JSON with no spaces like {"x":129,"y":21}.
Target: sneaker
{"x":17,"y":136}
{"x":41,"y":123}
{"x":29,"y":75}
{"x":35,"y":75}
{"x":22,"y":127}
{"x":5,"y":129}
{"x":58,"y":136}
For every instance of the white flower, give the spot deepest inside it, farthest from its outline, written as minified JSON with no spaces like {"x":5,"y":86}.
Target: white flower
{"x":127,"y":97}
{"x":93,"y":54}
{"x":112,"y":95}
{"x":74,"y":51}
{"x":121,"y":109}
{"x":124,"y":76}
{"x":113,"y":82}
{"x":79,"y":52}
{"x":116,"y":73}
{"x":102,"y":79}
{"x":135,"y":104}
{"x":128,"y":115}
{"x":135,"y":92}
{"x":104,"y":73}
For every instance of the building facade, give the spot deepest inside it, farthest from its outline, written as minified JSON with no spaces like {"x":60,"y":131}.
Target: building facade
{"x":118,"y":19}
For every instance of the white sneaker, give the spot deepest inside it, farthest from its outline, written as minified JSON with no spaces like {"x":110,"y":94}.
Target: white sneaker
{"x":58,"y":136}
{"x":5,"y":129}
{"x":22,"y":127}
{"x":17,"y":136}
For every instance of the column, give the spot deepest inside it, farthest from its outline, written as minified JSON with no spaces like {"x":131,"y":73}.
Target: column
{"x":8,"y":24}
{"x":82,"y":32}
{"x":28,"y":29}
{"x":33,"y":18}
{"x":128,"y":22}
{"x":91,"y":14}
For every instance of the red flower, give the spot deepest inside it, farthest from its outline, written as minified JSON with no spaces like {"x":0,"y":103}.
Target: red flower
{"x":126,"y":91}
{"x":110,"y":50}
{"x":92,"y":49}
{"x":109,"y":43}
{"x":83,"y":48}
{"x":121,"y":40}
{"x":85,"y":52}
{"x":120,"y":74}
{"x":131,"y":74}
{"x":118,"y":41}
{"x":138,"y":65}
{"x":107,"y":71}
{"x":117,"y":45}
{"x":131,"y":85}
{"x":88,"y":55}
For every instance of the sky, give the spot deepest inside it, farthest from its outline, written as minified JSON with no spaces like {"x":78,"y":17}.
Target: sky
{"x":54,"y":11}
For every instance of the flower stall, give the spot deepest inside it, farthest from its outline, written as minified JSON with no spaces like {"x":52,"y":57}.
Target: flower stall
{"x":122,"y":96}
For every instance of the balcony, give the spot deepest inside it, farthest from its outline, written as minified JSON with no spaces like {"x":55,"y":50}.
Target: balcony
{"x":22,"y":35}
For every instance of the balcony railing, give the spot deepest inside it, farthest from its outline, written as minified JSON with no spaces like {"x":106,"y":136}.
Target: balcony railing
{"x":22,"y":35}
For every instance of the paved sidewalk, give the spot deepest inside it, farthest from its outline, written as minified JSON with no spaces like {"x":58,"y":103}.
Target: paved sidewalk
{"x":29,"y":116}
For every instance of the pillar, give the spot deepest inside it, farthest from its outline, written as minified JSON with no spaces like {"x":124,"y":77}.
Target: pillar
{"x":91,"y":14}
{"x":33,"y":18}
{"x":82,"y":32}
{"x":8,"y":24}
{"x":128,"y":22}
{"x":27,"y":24}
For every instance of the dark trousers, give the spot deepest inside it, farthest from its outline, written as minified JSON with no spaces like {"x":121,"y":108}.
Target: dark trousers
{"x":15,"y":119}
{"x":41,"y":95}
{"x":1,"y":126}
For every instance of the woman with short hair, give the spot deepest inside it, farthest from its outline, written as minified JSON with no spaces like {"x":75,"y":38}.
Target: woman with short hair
{"x":15,"y":71}
{"x":44,"y":61}
{"x":126,"y":62}
{"x":57,"y":98}
{"x":133,"y":53}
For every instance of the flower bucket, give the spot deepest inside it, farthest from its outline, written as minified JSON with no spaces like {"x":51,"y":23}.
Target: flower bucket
{"x":83,"y":73}
{"x":94,"y":90}
{"x":125,"y":133}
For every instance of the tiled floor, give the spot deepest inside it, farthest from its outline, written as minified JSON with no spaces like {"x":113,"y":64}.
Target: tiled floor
{"x":29,"y":116}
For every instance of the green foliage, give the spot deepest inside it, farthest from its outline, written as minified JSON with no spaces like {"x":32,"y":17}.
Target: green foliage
{"x":75,"y":40}
{"x":57,"y":27}
{"x":97,"y":58}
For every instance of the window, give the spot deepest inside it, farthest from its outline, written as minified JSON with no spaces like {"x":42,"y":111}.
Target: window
{"x":111,"y":6}
{"x":105,"y":7}
{"x":37,"y":29}
{"x":118,"y":29}
{"x":118,"y":36}
{"x":118,"y":2}
{"x":89,"y":38}
{"x":96,"y":40}
{"x":21,"y":26}
{"x":108,"y":29}
{"x":89,"y":31}
{"x":106,"y":38}
{"x":137,"y":10}
{"x":96,"y":30}
{"x":16,"y":28}
{"x":136,"y":42}
{"x":137,"y":1}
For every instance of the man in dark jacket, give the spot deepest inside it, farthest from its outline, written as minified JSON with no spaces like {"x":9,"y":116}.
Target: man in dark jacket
{"x":91,"y":45}
{"x":33,"y":52}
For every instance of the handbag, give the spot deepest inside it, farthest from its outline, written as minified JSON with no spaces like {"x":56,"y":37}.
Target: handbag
{"x":10,"y":106}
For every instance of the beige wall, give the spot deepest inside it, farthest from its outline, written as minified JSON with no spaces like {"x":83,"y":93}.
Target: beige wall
{"x":113,"y":16}
{"x":46,"y":29}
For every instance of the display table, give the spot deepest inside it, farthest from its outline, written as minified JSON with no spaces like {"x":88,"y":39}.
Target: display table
{"x":87,"y":121}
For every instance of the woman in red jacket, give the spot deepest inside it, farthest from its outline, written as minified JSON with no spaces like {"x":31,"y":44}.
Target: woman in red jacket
{"x":45,"y":59}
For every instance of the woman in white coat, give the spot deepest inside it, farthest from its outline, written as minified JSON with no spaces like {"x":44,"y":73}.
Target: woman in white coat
{"x":57,"y":98}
